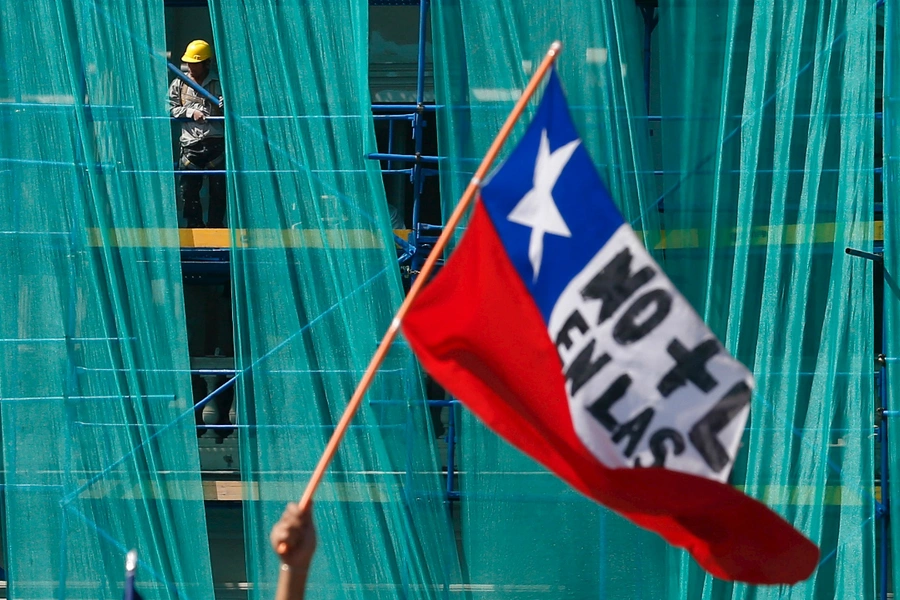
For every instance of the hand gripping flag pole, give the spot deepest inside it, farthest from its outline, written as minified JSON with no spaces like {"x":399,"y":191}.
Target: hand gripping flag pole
{"x":452,"y":222}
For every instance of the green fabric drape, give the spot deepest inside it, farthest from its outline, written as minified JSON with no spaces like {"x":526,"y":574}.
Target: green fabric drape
{"x":99,"y":449}
{"x":315,"y":284}
{"x":768,"y":150}
{"x":524,"y":531}
{"x":891,"y":163}
{"x":484,"y":55}
{"x":764,"y":163}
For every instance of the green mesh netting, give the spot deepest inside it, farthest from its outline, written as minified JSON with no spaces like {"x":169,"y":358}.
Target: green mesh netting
{"x":772,"y":177}
{"x":99,"y":449}
{"x":315,"y":284}
{"x":484,"y":55}
{"x":766,"y":151}
{"x":766,"y":158}
{"x":525,"y":533}
{"x":891,"y":332}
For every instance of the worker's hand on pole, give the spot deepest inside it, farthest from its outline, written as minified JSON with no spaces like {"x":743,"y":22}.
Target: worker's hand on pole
{"x":294,"y":537}
{"x":199,"y":116}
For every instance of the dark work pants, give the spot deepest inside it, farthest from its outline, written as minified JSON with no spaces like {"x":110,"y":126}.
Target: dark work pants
{"x":205,"y":155}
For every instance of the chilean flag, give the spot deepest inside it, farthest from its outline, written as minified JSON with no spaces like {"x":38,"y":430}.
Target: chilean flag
{"x":553,"y":324}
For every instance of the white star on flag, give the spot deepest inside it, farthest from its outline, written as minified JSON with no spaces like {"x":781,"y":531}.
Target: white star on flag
{"x":537,"y":209}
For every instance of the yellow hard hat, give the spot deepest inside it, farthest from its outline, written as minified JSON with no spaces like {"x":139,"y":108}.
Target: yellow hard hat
{"x":196,"y":52}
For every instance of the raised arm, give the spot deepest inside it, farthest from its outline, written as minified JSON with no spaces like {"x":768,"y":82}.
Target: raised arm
{"x":297,"y":533}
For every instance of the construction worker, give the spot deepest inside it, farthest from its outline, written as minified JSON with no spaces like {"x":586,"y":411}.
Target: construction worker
{"x":202,"y":141}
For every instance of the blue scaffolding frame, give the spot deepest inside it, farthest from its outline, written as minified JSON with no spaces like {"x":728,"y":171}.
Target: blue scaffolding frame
{"x":211,"y":265}
{"x":422,"y":235}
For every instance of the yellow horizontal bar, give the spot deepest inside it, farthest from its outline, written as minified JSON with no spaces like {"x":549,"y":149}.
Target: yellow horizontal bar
{"x":244,"y":238}
{"x":387,"y":488}
{"x":734,"y":237}
{"x":223,"y":491}
{"x":678,"y":239}
{"x":810,"y":495}
{"x":772,"y":495}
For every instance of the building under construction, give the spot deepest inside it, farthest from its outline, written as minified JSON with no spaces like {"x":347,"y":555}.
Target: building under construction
{"x":168,"y":389}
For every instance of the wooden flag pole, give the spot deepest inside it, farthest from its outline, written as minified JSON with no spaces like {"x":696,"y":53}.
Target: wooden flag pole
{"x":417,"y":286}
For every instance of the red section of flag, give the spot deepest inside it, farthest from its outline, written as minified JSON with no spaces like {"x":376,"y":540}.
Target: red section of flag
{"x":477,"y":331}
